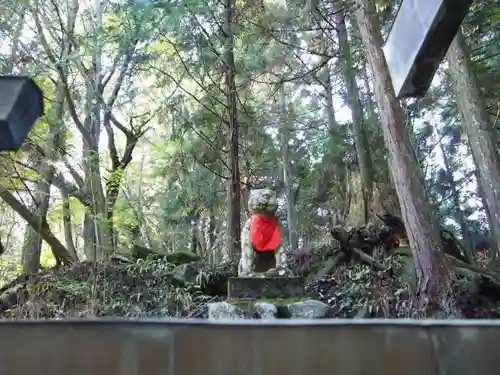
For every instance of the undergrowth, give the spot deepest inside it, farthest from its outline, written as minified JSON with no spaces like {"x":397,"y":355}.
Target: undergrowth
{"x":147,"y":288}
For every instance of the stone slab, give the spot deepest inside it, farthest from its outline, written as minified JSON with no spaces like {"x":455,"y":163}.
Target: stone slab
{"x":265,"y":287}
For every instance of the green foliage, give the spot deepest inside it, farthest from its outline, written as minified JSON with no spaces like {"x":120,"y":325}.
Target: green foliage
{"x":47,"y":259}
{"x":9,"y":269}
{"x":143,"y":289}
{"x":176,"y":77}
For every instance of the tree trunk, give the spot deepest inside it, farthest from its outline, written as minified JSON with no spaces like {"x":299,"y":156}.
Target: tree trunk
{"x":113,"y":185}
{"x":234,"y":214}
{"x":356,"y":108}
{"x":89,"y":238}
{"x":330,"y":109}
{"x":97,"y":241}
{"x":287,"y":173}
{"x":369,"y":101}
{"x":39,"y":224}
{"x":33,"y":241}
{"x":212,"y":237}
{"x":209,"y":235}
{"x":434,"y":293}
{"x":479,"y":129}
{"x":333,"y":170}
{"x":193,"y":243}
{"x":68,"y":226}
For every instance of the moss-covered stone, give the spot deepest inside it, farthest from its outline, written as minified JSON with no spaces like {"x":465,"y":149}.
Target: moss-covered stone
{"x":281,"y":304}
{"x":286,"y":308}
{"x":141,"y":252}
{"x":182,"y":257}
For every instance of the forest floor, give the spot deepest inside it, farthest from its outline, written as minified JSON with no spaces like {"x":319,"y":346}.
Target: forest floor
{"x":162,"y":288}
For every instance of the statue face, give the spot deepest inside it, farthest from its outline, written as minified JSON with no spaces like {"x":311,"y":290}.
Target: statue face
{"x":263,"y":201}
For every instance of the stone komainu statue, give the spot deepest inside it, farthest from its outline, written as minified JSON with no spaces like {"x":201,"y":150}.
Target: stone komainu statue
{"x":261,"y":237}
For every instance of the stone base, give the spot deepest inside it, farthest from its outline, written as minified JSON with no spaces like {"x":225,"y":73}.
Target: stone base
{"x":265,"y":287}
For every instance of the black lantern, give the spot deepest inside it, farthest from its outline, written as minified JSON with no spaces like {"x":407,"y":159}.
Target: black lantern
{"x":21,"y":104}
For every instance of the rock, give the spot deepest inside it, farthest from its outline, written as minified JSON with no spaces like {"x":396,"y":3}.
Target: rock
{"x":120,"y":258}
{"x":141,"y":252}
{"x":272,"y":272}
{"x":280,"y":271}
{"x":182,"y":257}
{"x":309,"y":309}
{"x":176,"y":280}
{"x":224,"y":310}
{"x":265,"y":310}
{"x":188,"y":272}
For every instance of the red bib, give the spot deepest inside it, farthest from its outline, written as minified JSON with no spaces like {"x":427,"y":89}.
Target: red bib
{"x":265,"y":232}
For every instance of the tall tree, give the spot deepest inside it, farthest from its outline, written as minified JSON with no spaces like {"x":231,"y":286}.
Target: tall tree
{"x":434,"y":292}
{"x":234,"y":214}
{"x":355,"y":105}
{"x":287,"y":169}
{"x":52,"y":147}
{"x":480,"y":130}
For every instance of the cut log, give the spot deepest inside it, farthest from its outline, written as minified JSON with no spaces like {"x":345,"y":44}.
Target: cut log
{"x":374,"y":241}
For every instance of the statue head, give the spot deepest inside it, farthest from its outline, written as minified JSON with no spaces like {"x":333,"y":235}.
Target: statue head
{"x":263,"y":201}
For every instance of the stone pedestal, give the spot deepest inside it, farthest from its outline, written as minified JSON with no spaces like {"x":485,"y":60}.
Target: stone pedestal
{"x":265,"y":287}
